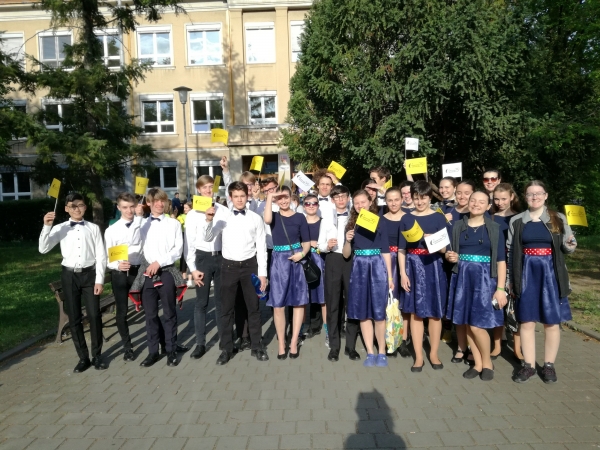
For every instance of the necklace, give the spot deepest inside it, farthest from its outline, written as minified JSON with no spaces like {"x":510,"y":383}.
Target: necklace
{"x":475,"y":234}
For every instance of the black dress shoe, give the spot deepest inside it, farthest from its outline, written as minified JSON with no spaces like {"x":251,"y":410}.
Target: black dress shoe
{"x":403,"y":350}
{"x":439,"y":366}
{"x":282,"y":356}
{"x":416,"y":369}
{"x":198,"y":352}
{"x":181,"y":348}
{"x":129,"y":355}
{"x":98,"y":363}
{"x":223,"y":358}
{"x":261,"y":355}
{"x":245,"y":344}
{"x":82,"y":365}
{"x":150,"y":360}
{"x":334,"y":355}
{"x":295,"y":355}
{"x":352,"y":354}
{"x":312,"y":333}
{"x":172,"y":360}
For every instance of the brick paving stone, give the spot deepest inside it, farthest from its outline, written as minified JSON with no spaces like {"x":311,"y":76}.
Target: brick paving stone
{"x":45,"y":444}
{"x":77,"y":444}
{"x":424,"y":440}
{"x":107,"y":444}
{"x":45,"y":431}
{"x":73,"y":431}
{"x":170,"y":443}
{"x":488,"y":437}
{"x":138,"y":444}
{"x":521,"y":435}
{"x":15,"y":444}
{"x":263,"y":442}
{"x":231,"y":443}
{"x":456,"y":438}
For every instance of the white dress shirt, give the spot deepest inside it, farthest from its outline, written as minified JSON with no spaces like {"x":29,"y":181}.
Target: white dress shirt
{"x":195,"y":230}
{"x":119,"y":233}
{"x":330,"y":230}
{"x":81,"y":246}
{"x":162,"y":240}
{"x":326,"y":209}
{"x":243,"y":236}
{"x":251,"y":204}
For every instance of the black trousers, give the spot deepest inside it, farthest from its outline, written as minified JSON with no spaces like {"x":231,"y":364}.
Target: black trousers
{"x":210,"y":266}
{"x":150,"y":297}
{"x":78,"y":287}
{"x":337,"y":277}
{"x":241,"y":315}
{"x":234,"y":274}
{"x":121,"y":283}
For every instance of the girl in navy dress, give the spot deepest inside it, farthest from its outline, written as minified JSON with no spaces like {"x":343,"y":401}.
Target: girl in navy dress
{"x":447,"y":190}
{"x":288,"y":284}
{"x":505,"y":206}
{"x":464,"y":189}
{"x":538,"y":238}
{"x":478,"y":279}
{"x":393,"y":200}
{"x":316,"y":294}
{"x":422,"y":276}
{"x":367,"y":299}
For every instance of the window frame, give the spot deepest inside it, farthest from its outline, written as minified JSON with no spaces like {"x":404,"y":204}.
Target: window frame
{"x":208,"y":26}
{"x":295,"y":53}
{"x":211,"y":164}
{"x":56,"y":35}
{"x":160,"y":165}
{"x":263,"y":121}
{"x":104,"y":34}
{"x":155,"y":30}
{"x":18,"y":193}
{"x":157,"y":98}
{"x":206,"y":97}
{"x":60,"y":104}
{"x":260,"y":26}
{"x":21,"y":51}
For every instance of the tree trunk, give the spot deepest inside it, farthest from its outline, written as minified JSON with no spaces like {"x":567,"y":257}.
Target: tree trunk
{"x":97,"y":202}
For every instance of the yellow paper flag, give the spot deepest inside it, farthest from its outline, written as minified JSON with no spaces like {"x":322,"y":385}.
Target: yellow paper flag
{"x":576,"y":215}
{"x":442,"y":213}
{"x":54,"y":188}
{"x":282,"y":180}
{"x":416,"y":165}
{"x":414,"y":234}
{"x":257,"y":163}
{"x":219,"y":135}
{"x":202,"y":203}
{"x":216,"y":184}
{"x":368,"y":220}
{"x":141,"y":184}
{"x":336,"y":169}
{"x":118,"y":253}
{"x":388,"y":183}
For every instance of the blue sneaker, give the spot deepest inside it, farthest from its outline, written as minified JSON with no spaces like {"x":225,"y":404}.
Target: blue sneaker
{"x":381,"y":361}
{"x":370,"y":361}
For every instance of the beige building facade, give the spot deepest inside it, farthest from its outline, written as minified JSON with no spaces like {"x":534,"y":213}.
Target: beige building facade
{"x":236,"y":57}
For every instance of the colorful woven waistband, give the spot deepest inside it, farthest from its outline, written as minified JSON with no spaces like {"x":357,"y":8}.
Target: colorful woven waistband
{"x":537,"y":251}
{"x":475,"y":258}
{"x":286,"y":248}
{"x":418,"y":251}
{"x":393,"y":249}
{"x":368,"y":252}
{"x":314,"y":250}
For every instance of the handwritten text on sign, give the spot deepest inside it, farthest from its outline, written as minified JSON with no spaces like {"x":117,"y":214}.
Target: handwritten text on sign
{"x":257,"y":163}
{"x":202,"y":203}
{"x":219,"y":135}
{"x":336,"y":169}
{"x":141,"y":184}
{"x":54,"y":188}
{"x":414,"y":234}
{"x":411,"y":144}
{"x":437,"y":241}
{"x":368,"y":220}
{"x":452,"y":170}
{"x":302,"y":181}
{"x":118,"y":253}
{"x":576,"y":215}
{"x":416,"y":165}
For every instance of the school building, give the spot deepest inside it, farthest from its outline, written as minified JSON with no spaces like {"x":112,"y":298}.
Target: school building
{"x":235,"y":56}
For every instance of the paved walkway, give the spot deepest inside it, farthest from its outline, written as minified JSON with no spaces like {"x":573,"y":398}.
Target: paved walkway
{"x":304,"y":403}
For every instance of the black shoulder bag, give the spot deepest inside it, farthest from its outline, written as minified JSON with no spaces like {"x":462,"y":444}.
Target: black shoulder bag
{"x":312,"y":273}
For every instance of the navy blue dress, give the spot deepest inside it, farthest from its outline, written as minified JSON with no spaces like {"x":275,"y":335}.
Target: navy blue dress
{"x":428,"y":282}
{"x":288,"y":284}
{"x":540,"y":300}
{"x":368,"y":294}
{"x":472,"y":288}
{"x":393,"y":228}
{"x":316,"y":294}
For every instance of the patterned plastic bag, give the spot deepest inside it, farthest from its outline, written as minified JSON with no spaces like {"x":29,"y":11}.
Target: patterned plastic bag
{"x":393,"y":324}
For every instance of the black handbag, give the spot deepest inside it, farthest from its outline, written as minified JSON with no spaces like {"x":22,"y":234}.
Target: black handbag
{"x":312,"y":273}
{"x":511,"y":318}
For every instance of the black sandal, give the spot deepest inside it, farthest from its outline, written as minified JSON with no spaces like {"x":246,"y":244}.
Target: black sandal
{"x":456,"y":360}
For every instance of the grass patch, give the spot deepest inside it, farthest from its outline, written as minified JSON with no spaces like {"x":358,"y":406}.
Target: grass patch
{"x":586,"y":309}
{"x":584,"y":272}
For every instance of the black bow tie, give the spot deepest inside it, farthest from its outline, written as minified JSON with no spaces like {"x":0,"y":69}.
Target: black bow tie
{"x":242,"y":212}
{"x":128,"y":224}
{"x":323,"y":199}
{"x":343,"y":214}
{"x":448,"y":202}
{"x":76,"y":223}
{"x":154,"y":218}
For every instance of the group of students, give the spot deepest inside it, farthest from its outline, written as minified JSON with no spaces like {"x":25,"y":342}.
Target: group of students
{"x":495,"y":252}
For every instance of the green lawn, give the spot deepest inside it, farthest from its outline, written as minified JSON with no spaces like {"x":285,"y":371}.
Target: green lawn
{"x":584,"y":271}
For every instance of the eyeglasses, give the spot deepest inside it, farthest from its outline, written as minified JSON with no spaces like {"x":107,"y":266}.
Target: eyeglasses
{"x":270,"y":189}
{"x":535,"y":194}
{"x":79,"y":206}
{"x":250,"y":185}
{"x":492,"y":179}
{"x":311,"y":204}
{"x":340,"y":197}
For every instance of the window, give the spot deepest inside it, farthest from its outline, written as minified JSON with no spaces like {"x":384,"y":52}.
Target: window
{"x":21,"y":106}
{"x":111,"y":48}
{"x":212,"y":168}
{"x":260,"y":42}
{"x":296,"y":30}
{"x":52,"y":48}
{"x":164,"y":176}
{"x":12,"y":45}
{"x":155,"y":46}
{"x":157,"y":115}
{"x":207,"y":112}
{"x":262,"y":108}
{"x":15,"y":186}
{"x":56,"y":114}
{"x":204,"y":44}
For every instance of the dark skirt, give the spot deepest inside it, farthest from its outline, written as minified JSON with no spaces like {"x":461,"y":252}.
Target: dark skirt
{"x":470,"y":296}
{"x":317,"y":294}
{"x":540,"y":300}
{"x":288,"y":284}
{"x":395,"y":275}
{"x":427,"y":296}
{"x":367,"y":298}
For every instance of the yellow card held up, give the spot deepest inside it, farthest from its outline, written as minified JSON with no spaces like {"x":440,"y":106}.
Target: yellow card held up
{"x":416,"y":165}
{"x":336,"y":169}
{"x":219,"y":135}
{"x":202,"y":203}
{"x":257,"y":163}
{"x":414,"y":234}
{"x":141,"y":184}
{"x":368,"y":220}
{"x":576,"y":215}
{"x":388,"y":183}
{"x":216,"y":184}
{"x":54,"y":189}
{"x":118,"y":253}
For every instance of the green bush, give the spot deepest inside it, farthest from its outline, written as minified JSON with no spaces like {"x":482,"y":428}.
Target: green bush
{"x":22,"y":220}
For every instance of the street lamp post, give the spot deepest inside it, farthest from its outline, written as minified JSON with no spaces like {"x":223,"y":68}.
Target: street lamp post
{"x":183,"y":96}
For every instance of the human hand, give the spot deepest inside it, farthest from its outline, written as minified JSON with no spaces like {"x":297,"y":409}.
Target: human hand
{"x":124,"y":266}
{"x":224,"y":164}
{"x":405,"y":282}
{"x":210,"y":213}
{"x":391,"y":284}
{"x":296,"y":257}
{"x":98,"y":289}
{"x":314,"y":244}
{"x":139,"y":210}
{"x":49,"y":218}
{"x":571,"y":242}
{"x":263,"y":283}
{"x":349,"y":235}
{"x":333,"y":178}
{"x":331,"y":243}
{"x":452,"y":256}
{"x":500,"y":297}
{"x":153,"y":268}
{"x":198,"y":276}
